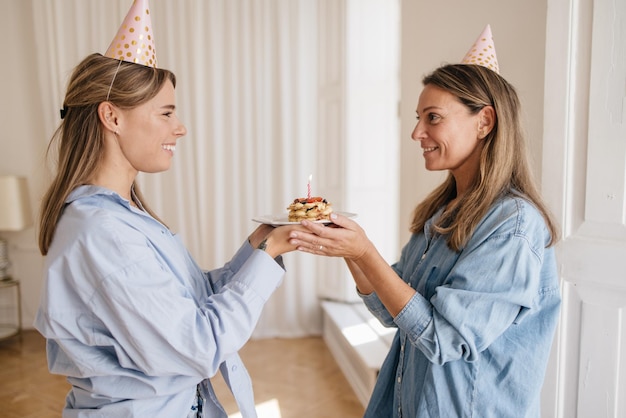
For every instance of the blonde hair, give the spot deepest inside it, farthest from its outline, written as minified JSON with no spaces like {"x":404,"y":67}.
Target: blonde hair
{"x":504,"y":163}
{"x":79,"y":139}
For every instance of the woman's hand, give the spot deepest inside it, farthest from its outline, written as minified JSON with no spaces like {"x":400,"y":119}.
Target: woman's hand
{"x":371,"y":273}
{"x":343,"y":238}
{"x":274,"y":240}
{"x":259,"y":234}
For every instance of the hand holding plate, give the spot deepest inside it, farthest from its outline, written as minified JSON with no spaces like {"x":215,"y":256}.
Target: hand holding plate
{"x":347,"y":240}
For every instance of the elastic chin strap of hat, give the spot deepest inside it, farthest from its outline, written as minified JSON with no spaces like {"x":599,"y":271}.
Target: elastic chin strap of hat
{"x":113,"y":81}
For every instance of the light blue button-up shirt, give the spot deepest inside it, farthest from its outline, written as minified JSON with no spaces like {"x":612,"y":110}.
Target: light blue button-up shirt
{"x":475,"y":339}
{"x":133,"y":321}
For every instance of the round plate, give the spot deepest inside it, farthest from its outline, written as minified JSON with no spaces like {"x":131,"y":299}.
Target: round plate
{"x":284,"y":219}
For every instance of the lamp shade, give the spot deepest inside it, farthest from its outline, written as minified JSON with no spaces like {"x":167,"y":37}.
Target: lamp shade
{"x":15,"y":213}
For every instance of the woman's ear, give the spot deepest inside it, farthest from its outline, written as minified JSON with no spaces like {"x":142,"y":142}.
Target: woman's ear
{"x":486,"y":121}
{"x":108,"y":114}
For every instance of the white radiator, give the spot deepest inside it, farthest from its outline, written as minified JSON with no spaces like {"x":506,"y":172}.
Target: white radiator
{"x":358,"y":342}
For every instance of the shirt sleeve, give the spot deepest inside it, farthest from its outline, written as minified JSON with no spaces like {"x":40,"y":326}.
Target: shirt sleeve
{"x":145,"y":311}
{"x":372,"y":301}
{"x":217,"y":278}
{"x":376,"y":307}
{"x":491,"y":284}
{"x":220,"y":276}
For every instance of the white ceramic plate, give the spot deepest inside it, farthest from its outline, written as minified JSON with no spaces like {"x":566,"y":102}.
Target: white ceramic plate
{"x":284,"y":219}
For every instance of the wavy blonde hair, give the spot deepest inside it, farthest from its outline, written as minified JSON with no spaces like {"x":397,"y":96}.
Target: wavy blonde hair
{"x":504,"y":162}
{"x":79,"y":140}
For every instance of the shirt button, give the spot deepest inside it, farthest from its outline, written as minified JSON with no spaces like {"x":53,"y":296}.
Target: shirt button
{"x":234,"y":368}
{"x":399,"y":379}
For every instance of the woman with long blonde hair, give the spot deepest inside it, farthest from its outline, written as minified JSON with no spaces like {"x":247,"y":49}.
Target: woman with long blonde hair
{"x":475,"y":293}
{"x":133,"y":322}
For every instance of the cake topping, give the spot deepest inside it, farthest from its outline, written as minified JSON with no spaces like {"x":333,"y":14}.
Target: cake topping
{"x":309,"y":208}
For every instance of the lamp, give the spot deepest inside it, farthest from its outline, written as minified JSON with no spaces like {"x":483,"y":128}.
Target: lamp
{"x":15,"y":214}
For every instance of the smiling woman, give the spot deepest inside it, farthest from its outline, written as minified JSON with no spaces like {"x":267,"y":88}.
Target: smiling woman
{"x":144,"y":137}
{"x":246,"y":89}
{"x":447,"y":130}
{"x":130,"y":318}
{"x":475,"y":294}
{"x":95,"y":139}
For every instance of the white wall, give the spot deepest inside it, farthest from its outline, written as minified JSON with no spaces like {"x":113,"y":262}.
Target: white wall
{"x":436,"y":33}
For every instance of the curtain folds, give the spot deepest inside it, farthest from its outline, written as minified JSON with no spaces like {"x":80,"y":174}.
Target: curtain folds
{"x":246,"y":90}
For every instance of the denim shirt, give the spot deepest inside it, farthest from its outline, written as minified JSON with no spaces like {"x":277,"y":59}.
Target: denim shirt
{"x":474,"y":340}
{"x":133,"y":321}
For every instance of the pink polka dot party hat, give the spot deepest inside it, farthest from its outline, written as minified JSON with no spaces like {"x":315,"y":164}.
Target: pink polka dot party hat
{"x":134,"y":41}
{"x":483,"y":52}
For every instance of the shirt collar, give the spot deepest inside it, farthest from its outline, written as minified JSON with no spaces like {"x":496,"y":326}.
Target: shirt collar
{"x":89,"y":190}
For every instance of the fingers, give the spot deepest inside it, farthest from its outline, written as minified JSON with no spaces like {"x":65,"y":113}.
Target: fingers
{"x":341,"y":220}
{"x":346,"y":239}
{"x":313,"y":248}
{"x":334,"y":239}
{"x":318,"y":239}
{"x":312,"y":227}
{"x":277,"y":239}
{"x":317,"y":249}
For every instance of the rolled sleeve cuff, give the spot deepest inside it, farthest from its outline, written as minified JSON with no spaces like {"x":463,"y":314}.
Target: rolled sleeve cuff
{"x":373,"y":302}
{"x":414,"y":317}
{"x":376,"y":307}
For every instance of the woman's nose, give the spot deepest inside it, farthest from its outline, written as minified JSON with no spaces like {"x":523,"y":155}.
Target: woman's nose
{"x":181,"y":130}
{"x":417,"y":133}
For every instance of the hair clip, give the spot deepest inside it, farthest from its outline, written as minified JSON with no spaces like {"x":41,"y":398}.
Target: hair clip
{"x":63,"y":111}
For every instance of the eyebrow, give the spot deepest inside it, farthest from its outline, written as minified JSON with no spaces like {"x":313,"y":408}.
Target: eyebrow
{"x":169,"y":107}
{"x":427,"y":108}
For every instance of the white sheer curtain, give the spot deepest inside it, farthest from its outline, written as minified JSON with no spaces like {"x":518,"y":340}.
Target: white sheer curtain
{"x":246,"y":91}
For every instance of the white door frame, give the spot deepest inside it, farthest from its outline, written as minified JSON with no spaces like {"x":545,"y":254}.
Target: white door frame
{"x":584,"y":181}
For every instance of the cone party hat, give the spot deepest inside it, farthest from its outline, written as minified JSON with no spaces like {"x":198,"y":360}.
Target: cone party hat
{"x":483,"y":52}
{"x":134,"y":41}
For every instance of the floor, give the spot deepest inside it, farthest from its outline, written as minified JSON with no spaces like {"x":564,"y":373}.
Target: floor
{"x":292,"y":378}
